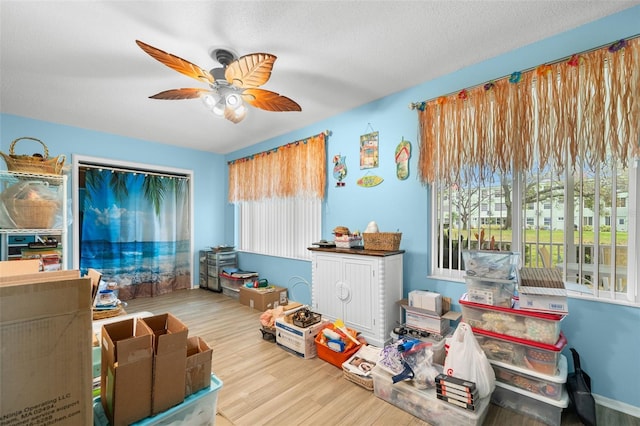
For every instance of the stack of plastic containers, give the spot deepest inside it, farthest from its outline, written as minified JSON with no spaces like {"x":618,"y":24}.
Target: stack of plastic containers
{"x":523,"y":346}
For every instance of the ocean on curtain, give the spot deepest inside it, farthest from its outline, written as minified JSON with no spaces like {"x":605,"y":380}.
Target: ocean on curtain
{"x":135,"y":230}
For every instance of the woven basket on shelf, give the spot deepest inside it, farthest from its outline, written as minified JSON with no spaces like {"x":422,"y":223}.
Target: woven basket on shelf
{"x":32,"y":214}
{"x":383,"y":241}
{"x":33,"y":163}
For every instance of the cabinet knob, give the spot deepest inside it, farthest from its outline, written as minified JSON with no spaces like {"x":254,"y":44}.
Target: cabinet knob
{"x":343,"y":292}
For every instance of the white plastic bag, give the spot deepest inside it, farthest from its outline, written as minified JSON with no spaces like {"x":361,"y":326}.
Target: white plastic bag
{"x":467,"y":360}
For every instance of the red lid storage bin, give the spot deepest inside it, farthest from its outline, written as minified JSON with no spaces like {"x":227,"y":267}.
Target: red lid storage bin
{"x":519,"y":323}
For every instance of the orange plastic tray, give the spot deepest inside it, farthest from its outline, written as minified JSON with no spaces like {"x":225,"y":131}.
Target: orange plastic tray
{"x":331,"y":356}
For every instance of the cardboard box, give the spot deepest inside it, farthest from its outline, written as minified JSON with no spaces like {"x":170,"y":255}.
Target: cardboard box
{"x":423,"y":319}
{"x":45,"y":364}
{"x":169,"y":360}
{"x":19,"y":267}
{"x":433,"y":323}
{"x":126,"y":373}
{"x":544,"y":303}
{"x":427,"y":300}
{"x":263,"y":298}
{"x":198,"y":370}
{"x":298,"y":341}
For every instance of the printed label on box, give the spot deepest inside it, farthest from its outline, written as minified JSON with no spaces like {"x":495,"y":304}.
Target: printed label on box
{"x":481,"y":296}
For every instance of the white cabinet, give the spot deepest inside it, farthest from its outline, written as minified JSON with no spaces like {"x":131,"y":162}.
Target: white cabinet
{"x":361,"y":287}
{"x":33,"y":209}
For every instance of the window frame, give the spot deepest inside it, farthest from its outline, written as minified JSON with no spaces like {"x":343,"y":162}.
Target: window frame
{"x":630,"y":298}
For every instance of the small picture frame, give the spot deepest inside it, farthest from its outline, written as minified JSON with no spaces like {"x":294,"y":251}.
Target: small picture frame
{"x":369,"y":158}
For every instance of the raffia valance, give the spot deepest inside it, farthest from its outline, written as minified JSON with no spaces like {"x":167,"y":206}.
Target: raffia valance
{"x":587,"y":106}
{"x":297,"y":169}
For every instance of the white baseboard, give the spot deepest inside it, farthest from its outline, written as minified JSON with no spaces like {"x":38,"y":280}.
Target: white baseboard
{"x":613,"y":404}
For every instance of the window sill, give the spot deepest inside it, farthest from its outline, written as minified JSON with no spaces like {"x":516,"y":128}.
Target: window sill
{"x":573,"y":294}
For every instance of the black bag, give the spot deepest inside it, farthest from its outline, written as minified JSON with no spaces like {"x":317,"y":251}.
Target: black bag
{"x":579,"y":388}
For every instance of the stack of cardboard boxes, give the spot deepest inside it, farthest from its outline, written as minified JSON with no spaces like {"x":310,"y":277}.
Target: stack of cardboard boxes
{"x":149,"y":365}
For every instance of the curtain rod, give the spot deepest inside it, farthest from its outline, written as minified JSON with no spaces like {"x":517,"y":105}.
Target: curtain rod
{"x":134,"y":171}
{"x":248,"y":157}
{"x":415,"y":105}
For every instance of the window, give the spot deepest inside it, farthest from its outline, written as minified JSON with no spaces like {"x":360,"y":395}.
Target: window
{"x":281,"y":227}
{"x":559,"y":146}
{"x":579,"y":240}
{"x":278,"y":198}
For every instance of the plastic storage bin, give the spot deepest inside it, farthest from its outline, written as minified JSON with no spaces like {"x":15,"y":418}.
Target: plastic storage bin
{"x":198,"y":409}
{"x":490,"y":264}
{"x":533,"y":356}
{"x":331,"y":356}
{"x":424,"y":404}
{"x":543,"y":409}
{"x":437,"y":341}
{"x":493,"y":292}
{"x":231,"y":286}
{"x":529,"y":325}
{"x":549,"y":386}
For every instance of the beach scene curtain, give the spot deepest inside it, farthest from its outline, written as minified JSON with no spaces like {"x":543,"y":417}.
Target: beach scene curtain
{"x":135,"y":230}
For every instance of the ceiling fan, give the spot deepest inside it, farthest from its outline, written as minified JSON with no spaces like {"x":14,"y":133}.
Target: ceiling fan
{"x":237,"y":81}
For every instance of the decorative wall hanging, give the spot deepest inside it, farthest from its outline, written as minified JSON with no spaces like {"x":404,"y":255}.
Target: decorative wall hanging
{"x":403,"y":153}
{"x":339,"y":169}
{"x":368,"y":181}
{"x":369,"y":150}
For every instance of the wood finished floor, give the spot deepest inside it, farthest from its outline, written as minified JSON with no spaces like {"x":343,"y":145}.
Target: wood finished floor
{"x":265,"y":385}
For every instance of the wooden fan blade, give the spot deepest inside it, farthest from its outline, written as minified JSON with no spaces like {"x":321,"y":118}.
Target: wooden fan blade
{"x":176,"y":94}
{"x":250,"y":70}
{"x":178,"y":64}
{"x":269,"y":101}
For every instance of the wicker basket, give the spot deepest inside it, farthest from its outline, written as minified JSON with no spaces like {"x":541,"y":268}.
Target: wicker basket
{"x":108,"y":313}
{"x":32,"y":214}
{"x":365,"y":382}
{"x":382,"y":241}
{"x":33,"y":163}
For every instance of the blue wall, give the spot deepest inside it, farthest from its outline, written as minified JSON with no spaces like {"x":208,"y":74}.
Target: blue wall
{"x":606,"y":335}
{"x":209,"y":210}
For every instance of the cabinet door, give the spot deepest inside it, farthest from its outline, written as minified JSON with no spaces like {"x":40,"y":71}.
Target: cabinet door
{"x":358,"y":292}
{"x":327,"y":285}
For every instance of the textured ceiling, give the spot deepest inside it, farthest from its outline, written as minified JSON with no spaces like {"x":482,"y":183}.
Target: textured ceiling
{"x":76,"y":62}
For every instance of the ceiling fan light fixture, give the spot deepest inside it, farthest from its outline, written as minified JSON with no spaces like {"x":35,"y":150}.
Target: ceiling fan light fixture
{"x":234,"y":101}
{"x":210,"y":100}
{"x":240,"y":113}
{"x":219,"y":107}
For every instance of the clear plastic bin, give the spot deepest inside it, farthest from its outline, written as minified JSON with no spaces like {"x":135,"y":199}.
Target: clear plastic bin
{"x":548,"y":386}
{"x":528,"y":325}
{"x":495,"y":292}
{"x":197,"y":409}
{"x":424,"y":404}
{"x":437,"y":341}
{"x":533,"y":356}
{"x":546,"y":410}
{"x":490,"y":264}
